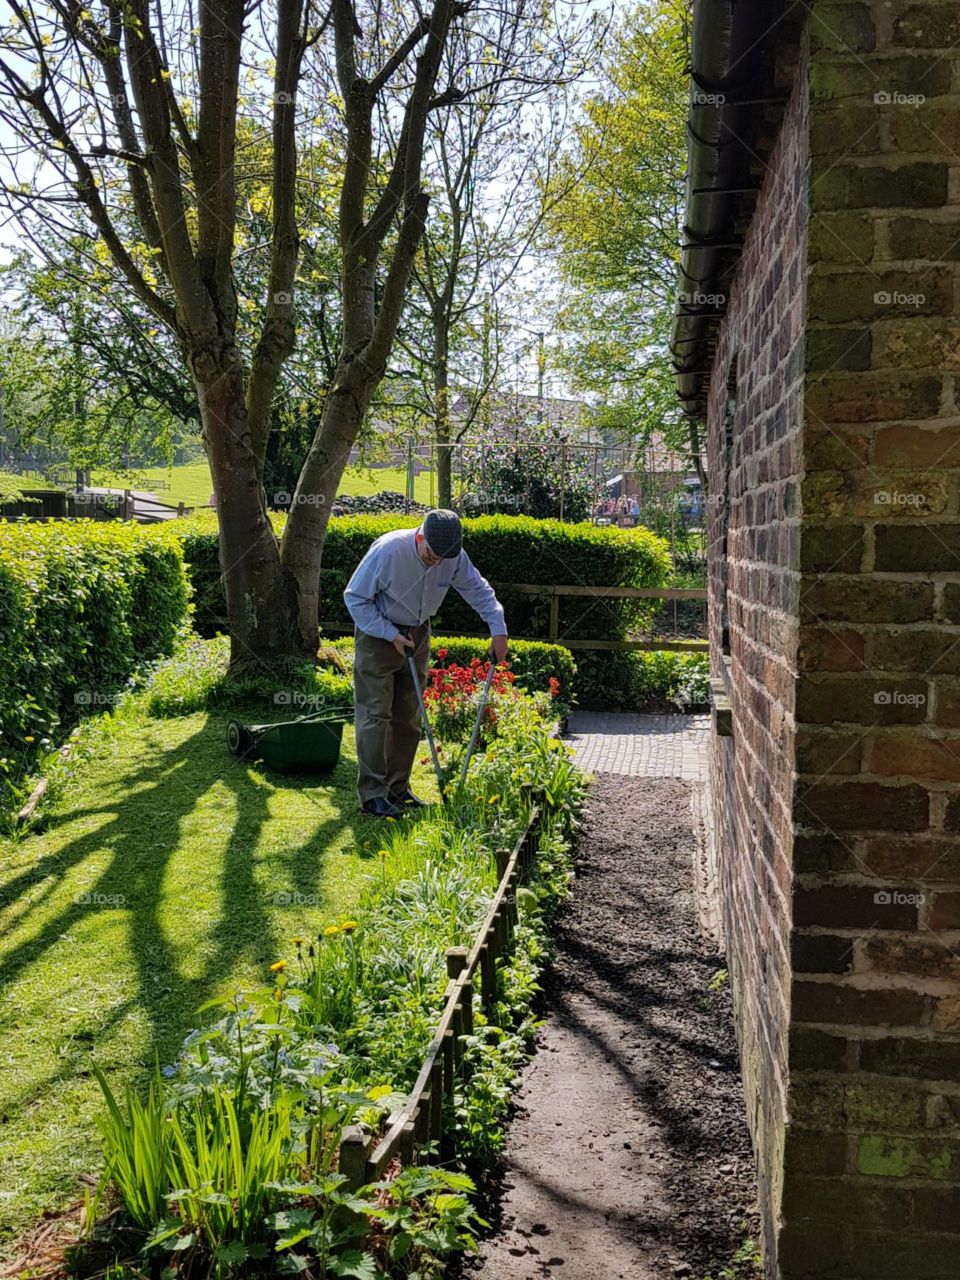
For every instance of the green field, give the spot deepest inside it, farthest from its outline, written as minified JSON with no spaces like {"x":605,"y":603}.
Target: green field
{"x":191,"y":485}
{"x":169,"y":874}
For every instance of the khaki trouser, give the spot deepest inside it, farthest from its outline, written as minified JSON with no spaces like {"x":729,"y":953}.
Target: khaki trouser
{"x":387,"y":712}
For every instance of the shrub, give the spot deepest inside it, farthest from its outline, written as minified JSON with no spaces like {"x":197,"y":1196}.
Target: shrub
{"x":506,"y":549}
{"x":82,"y":605}
{"x":626,"y":681}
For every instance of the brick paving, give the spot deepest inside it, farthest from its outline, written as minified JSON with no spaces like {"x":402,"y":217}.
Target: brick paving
{"x":642,"y":746}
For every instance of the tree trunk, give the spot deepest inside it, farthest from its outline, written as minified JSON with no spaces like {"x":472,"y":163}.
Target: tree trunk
{"x":302,"y":545}
{"x":441,"y":413}
{"x":261,"y":597}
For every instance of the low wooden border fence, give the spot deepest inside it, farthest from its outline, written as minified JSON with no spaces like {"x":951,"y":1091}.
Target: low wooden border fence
{"x":362,"y":1159}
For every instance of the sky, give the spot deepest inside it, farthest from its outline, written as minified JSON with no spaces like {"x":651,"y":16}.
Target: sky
{"x":531,"y":273}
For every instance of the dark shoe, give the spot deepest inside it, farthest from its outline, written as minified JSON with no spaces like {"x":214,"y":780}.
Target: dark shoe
{"x":407,"y":799}
{"x":381,"y":807}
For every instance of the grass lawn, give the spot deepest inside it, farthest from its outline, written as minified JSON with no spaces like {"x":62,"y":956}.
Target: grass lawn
{"x":191,"y":483}
{"x":169,"y":873}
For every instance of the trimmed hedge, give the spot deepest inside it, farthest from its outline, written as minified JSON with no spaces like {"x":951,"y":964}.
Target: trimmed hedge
{"x":82,"y":604}
{"x":533,"y":661}
{"x":504,"y":548}
{"x":627,"y":681}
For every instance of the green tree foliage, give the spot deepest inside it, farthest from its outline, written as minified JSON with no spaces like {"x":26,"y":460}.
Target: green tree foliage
{"x":617,"y":229}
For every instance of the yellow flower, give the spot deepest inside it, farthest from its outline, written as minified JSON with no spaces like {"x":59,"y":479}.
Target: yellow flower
{"x":348,"y":926}
{"x":493,"y":799}
{"x":28,"y":739}
{"x":383,"y":853}
{"x":278,"y":967}
{"x":330,"y":930}
{"x":298,"y":942}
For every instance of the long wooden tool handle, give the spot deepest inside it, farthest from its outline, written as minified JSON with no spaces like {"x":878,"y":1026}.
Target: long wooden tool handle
{"x":476,"y":724}
{"x":426,"y":723}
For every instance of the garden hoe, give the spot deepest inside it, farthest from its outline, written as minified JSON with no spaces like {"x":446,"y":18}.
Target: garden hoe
{"x":476,"y":724}
{"x":426,"y":721}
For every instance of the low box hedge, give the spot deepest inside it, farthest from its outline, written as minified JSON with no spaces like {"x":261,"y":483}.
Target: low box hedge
{"x":533,"y":661}
{"x":632,"y":680}
{"x":82,"y":604}
{"x":506,"y":549}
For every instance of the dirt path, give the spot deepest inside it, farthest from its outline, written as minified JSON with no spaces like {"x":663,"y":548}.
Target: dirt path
{"x":628,"y":1156}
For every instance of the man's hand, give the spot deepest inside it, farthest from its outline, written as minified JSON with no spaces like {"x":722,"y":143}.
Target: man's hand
{"x":499,"y":648}
{"x":402,"y":643}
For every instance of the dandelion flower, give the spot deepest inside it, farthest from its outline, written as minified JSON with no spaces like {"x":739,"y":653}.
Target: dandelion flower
{"x":298,"y":942}
{"x":493,"y":799}
{"x":348,"y":926}
{"x":30,"y":739}
{"x":278,"y":967}
{"x":383,"y":854}
{"x":331,"y":930}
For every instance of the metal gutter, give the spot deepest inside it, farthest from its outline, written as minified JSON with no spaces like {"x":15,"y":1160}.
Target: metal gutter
{"x":726,"y":97}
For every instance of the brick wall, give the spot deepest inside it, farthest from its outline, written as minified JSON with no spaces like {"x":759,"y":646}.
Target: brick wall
{"x":754,"y":507}
{"x":872,"y":1163}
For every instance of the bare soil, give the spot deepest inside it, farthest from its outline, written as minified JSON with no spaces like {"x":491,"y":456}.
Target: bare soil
{"x":628,"y":1155}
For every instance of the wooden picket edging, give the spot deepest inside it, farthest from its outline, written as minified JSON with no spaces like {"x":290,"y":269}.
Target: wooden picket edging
{"x":421,"y":1119}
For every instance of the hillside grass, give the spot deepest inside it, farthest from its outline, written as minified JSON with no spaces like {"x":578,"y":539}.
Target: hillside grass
{"x":191,"y":483}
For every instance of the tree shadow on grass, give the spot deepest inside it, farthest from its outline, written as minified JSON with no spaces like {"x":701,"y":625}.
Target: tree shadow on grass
{"x":142,"y":831}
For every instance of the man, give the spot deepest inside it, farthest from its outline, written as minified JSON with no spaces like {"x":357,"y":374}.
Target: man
{"x":397,"y":587}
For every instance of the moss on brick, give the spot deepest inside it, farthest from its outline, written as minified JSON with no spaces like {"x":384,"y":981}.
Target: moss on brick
{"x":884,"y":1156}
{"x":842,"y":28}
{"x":908,"y":186}
{"x":859,"y":77}
{"x":928,"y":26}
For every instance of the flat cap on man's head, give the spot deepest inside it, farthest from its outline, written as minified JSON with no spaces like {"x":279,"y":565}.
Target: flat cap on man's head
{"x":443,"y":533}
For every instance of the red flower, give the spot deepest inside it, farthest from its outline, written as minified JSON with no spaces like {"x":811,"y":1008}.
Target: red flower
{"x":554,"y":684}
{"x":442,"y":653}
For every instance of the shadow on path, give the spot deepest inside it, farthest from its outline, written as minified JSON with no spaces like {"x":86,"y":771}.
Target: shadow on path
{"x":628,"y":1158}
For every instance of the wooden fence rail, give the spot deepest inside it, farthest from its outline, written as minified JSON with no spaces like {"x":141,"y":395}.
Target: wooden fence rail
{"x":421,"y":1119}
{"x":554,"y":592}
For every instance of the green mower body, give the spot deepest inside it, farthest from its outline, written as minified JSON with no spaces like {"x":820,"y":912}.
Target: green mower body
{"x":308,"y":745}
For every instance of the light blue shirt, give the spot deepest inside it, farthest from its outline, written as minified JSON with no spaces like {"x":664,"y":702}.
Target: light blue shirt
{"x":392,"y":588}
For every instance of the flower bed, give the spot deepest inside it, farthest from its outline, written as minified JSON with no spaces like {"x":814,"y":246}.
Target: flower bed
{"x":231,"y":1165}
